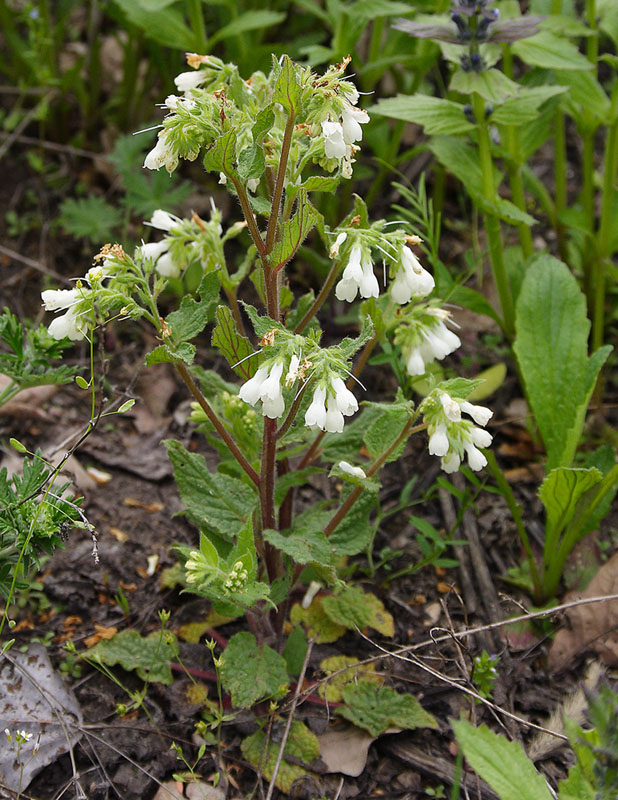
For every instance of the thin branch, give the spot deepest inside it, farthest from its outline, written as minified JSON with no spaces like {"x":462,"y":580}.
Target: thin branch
{"x":279,"y":183}
{"x":206,"y":407}
{"x":290,"y":719}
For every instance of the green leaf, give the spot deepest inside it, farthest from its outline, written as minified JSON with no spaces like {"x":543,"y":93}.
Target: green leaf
{"x":251,"y":163}
{"x":491,"y":84}
{"x":315,"y":621}
{"x":503,"y":764}
{"x":295,"y":651}
{"x":232,"y":346}
{"x":294,"y":232}
{"x":462,"y":160}
{"x":560,"y":492}
{"x":551,"y":348}
{"x":296,"y":477}
{"x":320,"y":183}
{"x":383,"y":432}
{"x":164,"y":25}
{"x":262,"y":324}
{"x":491,"y":379}
{"x":586,"y":95}
{"x":311,"y":546}
{"x":287,"y":90}
{"x":251,"y":673}
{"x":256,"y":19}
{"x":348,"y":346}
{"x":263,"y":123}
{"x":371,"y":9}
{"x":302,"y":746}
{"x":148,"y":655}
{"x":187,"y":321}
{"x":436,"y":115}
{"x":221,"y":154}
{"x":214,"y":500}
{"x":524,"y":108}
{"x":378,"y":708}
{"x":353,"y":608}
{"x":162,"y":354}
{"x":91,"y":218}
{"x":551,"y":52}
{"x":355,"y":531}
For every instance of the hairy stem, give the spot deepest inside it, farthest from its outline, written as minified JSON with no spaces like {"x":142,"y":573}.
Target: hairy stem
{"x":279,"y":183}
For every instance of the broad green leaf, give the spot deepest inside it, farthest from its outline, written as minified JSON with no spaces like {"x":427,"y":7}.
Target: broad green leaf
{"x":355,"y":531}
{"x":371,"y":9}
{"x":251,"y":163}
{"x":316,"y":623}
{"x":221,"y":154}
{"x":312,"y":546}
{"x":302,"y":746}
{"x":576,"y":786}
{"x":294,"y":232}
{"x":251,"y":673}
{"x":551,"y":348}
{"x":262,"y":324}
{"x":232,"y":345}
{"x":214,"y":500}
{"x":263,"y":123}
{"x":436,"y":115}
{"x":256,"y":19}
{"x":551,"y":52}
{"x":187,"y":321}
{"x":287,"y":91}
{"x":295,"y":651}
{"x":491,"y":84}
{"x":378,"y":708}
{"x":586,"y":95}
{"x":503,"y":764}
{"x":608,"y":19}
{"x":332,"y":689}
{"x":164,"y":25}
{"x":383,"y":432}
{"x":353,"y":608}
{"x":524,"y":108}
{"x":148,"y":655}
{"x":475,"y":301}
{"x":163,"y":354}
{"x":560,"y":492}
{"x":507,"y":211}
{"x":320,"y":183}
{"x":460,"y":388}
{"x":491,"y":379}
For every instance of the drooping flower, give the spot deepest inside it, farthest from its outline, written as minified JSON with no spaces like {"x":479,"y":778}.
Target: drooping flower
{"x":426,"y":338}
{"x":334,"y":143}
{"x":330,"y":404}
{"x":189,"y":80}
{"x":357,"y":277}
{"x":450,"y":436}
{"x":411,"y":278}
{"x":265,"y":386}
{"x":349,"y":469}
{"x":70,"y":324}
{"x":163,"y":220}
{"x":315,"y":416}
{"x":162,"y":154}
{"x":352,"y":119}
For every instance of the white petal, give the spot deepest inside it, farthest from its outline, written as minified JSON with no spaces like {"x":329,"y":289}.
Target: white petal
{"x":346,"y":290}
{"x":334,"y":143}
{"x":369,"y":286}
{"x":334,"y":418}
{"x":480,"y":437}
{"x":334,"y":249}
{"x":450,"y":462}
{"x":271,"y":387}
{"x":273,"y":407}
{"x":346,"y":402}
{"x":480,"y":414}
{"x":438,"y":442}
{"x":357,"y":472}
{"x":451,"y":407}
{"x":189,"y":80}
{"x":68,"y":324}
{"x":476,"y":459}
{"x":55,"y":299}
{"x":415,"y":363}
{"x":354,"y":270}
{"x":164,"y":221}
{"x":250,"y":390}
{"x":153,"y":249}
{"x":315,"y":416}
{"x":167,"y":267}
{"x":400,"y":291}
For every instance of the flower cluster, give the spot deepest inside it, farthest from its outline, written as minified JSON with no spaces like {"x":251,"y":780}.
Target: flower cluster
{"x":265,"y":387}
{"x":411,"y":279}
{"x":450,"y":436}
{"x":197,"y":568}
{"x":330,"y":404}
{"x":358,"y":275}
{"x":339,"y":135}
{"x":424,"y":337}
{"x":237,"y":578}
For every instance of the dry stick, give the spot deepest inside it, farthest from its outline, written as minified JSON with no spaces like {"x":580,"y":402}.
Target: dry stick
{"x":465,"y":689}
{"x":489,"y":596}
{"x":29,"y":262}
{"x":462,"y":634}
{"x":288,"y":724}
{"x":195,"y":391}
{"x":446,"y":501}
{"x":58,"y":148}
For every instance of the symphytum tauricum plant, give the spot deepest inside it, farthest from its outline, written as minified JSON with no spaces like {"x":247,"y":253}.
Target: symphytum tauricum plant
{"x":274,"y":139}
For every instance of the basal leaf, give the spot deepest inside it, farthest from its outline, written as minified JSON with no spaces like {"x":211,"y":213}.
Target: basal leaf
{"x":332,"y":689}
{"x":301,"y":747}
{"x":316,"y":622}
{"x":232,"y":345}
{"x":354,"y":608}
{"x":437,"y":115}
{"x":551,"y":348}
{"x":378,"y":708}
{"x":560,"y":492}
{"x":251,"y":673}
{"x":163,"y":25}
{"x":214,"y":500}
{"x":503,"y":764}
{"x":148,"y":655}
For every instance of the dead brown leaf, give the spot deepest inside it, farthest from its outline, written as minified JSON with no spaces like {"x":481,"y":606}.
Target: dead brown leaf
{"x":101,"y":633}
{"x":593,"y":626}
{"x":344,"y":749}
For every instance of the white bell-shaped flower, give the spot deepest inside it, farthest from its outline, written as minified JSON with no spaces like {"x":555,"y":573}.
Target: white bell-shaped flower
{"x":352,"y":119}
{"x":346,"y":402}
{"x":69,"y":325}
{"x":162,"y":155}
{"x":334,"y":143}
{"x":334,"y":417}
{"x":438,"y":442}
{"x":265,"y":385}
{"x":55,"y":299}
{"x":189,"y":80}
{"x":411,"y":279}
{"x":315,"y":416}
{"x":164,"y":221}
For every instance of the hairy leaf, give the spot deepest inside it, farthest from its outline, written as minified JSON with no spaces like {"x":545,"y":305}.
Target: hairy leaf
{"x":221,"y":154}
{"x":302,"y":746}
{"x":214,"y":500}
{"x":148,"y":655}
{"x":503,"y":764}
{"x":551,"y":348}
{"x":287,"y":90}
{"x":353,"y":608}
{"x":251,"y":673}
{"x":378,"y":708}
{"x":315,"y":621}
{"x":232,"y":345}
{"x":294,"y":232}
